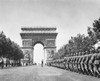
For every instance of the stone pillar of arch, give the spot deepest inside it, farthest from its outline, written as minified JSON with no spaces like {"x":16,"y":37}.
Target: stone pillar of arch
{"x":33,"y":35}
{"x":27,"y":50}
{"x":49,"y":50}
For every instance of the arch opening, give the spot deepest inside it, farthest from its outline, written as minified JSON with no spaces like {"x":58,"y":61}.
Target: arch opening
{"x":38,"y":53}
{"x":38,"y":42}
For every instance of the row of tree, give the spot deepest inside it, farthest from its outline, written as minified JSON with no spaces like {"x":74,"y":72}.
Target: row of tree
{"x":9,"y":49}
{"x":81,"y":44}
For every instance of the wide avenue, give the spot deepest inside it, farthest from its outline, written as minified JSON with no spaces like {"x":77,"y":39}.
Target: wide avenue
{"x":38,"y":73}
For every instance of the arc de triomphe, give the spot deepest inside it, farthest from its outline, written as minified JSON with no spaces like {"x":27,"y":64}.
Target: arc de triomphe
{"x":33,"y":35}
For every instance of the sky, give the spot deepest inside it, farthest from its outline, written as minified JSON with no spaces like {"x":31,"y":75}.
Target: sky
{"x":71,"y":17}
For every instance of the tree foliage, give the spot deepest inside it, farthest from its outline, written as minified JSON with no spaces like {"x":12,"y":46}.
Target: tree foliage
{"x":9,"y":49}
{"x":81,"y":44}
{"x":94,"y":32}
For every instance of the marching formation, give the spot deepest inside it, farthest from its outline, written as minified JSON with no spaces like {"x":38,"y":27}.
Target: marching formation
{"x":84,"y":64}
{"x":82,"y":53}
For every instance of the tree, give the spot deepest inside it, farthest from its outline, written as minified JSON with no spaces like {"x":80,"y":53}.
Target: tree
{"x":81,"y":43}
{"x":94,"y":32}
{"x":2,"y":44}
{"x":9,"y":49}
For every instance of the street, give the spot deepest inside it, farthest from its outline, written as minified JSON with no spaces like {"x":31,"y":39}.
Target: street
{"x":38,"y":73}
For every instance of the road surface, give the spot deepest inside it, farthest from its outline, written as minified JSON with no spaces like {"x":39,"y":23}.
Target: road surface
{"x":38,"y":73}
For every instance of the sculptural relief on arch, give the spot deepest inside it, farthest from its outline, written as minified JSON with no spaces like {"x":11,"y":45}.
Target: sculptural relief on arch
{"x":33,"y":35}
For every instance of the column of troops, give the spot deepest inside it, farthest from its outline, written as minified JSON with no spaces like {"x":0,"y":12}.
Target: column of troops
{"x":88,"y":64}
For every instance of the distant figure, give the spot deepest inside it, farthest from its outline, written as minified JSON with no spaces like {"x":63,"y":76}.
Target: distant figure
{"x":42,"y":63}
{"x":1,"y":62}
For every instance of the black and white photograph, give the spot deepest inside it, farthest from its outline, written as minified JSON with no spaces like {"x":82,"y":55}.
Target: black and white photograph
{"x":49,"y":40}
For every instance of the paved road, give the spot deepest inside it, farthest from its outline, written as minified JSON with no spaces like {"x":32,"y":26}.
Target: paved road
{"x":37,"y":73}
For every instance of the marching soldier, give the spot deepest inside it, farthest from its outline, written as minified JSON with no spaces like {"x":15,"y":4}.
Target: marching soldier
{"x":88,"y":64}
{"x":83,"y":65}
{"x":91,"y":65}
{"x":79,"y":70}
{"x":97,"y":65}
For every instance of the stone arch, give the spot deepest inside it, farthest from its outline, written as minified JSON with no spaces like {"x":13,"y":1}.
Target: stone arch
{"x":43,"y":35}
{"x":40,"y":42}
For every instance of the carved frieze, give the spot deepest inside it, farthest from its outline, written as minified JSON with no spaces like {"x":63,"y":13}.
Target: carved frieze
{"x":50,"y":43}
{"x":27,"y":43}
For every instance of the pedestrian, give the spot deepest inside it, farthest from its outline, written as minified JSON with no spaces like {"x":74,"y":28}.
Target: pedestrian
{"x":42,"y":63}
{"x":1,"y":62}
